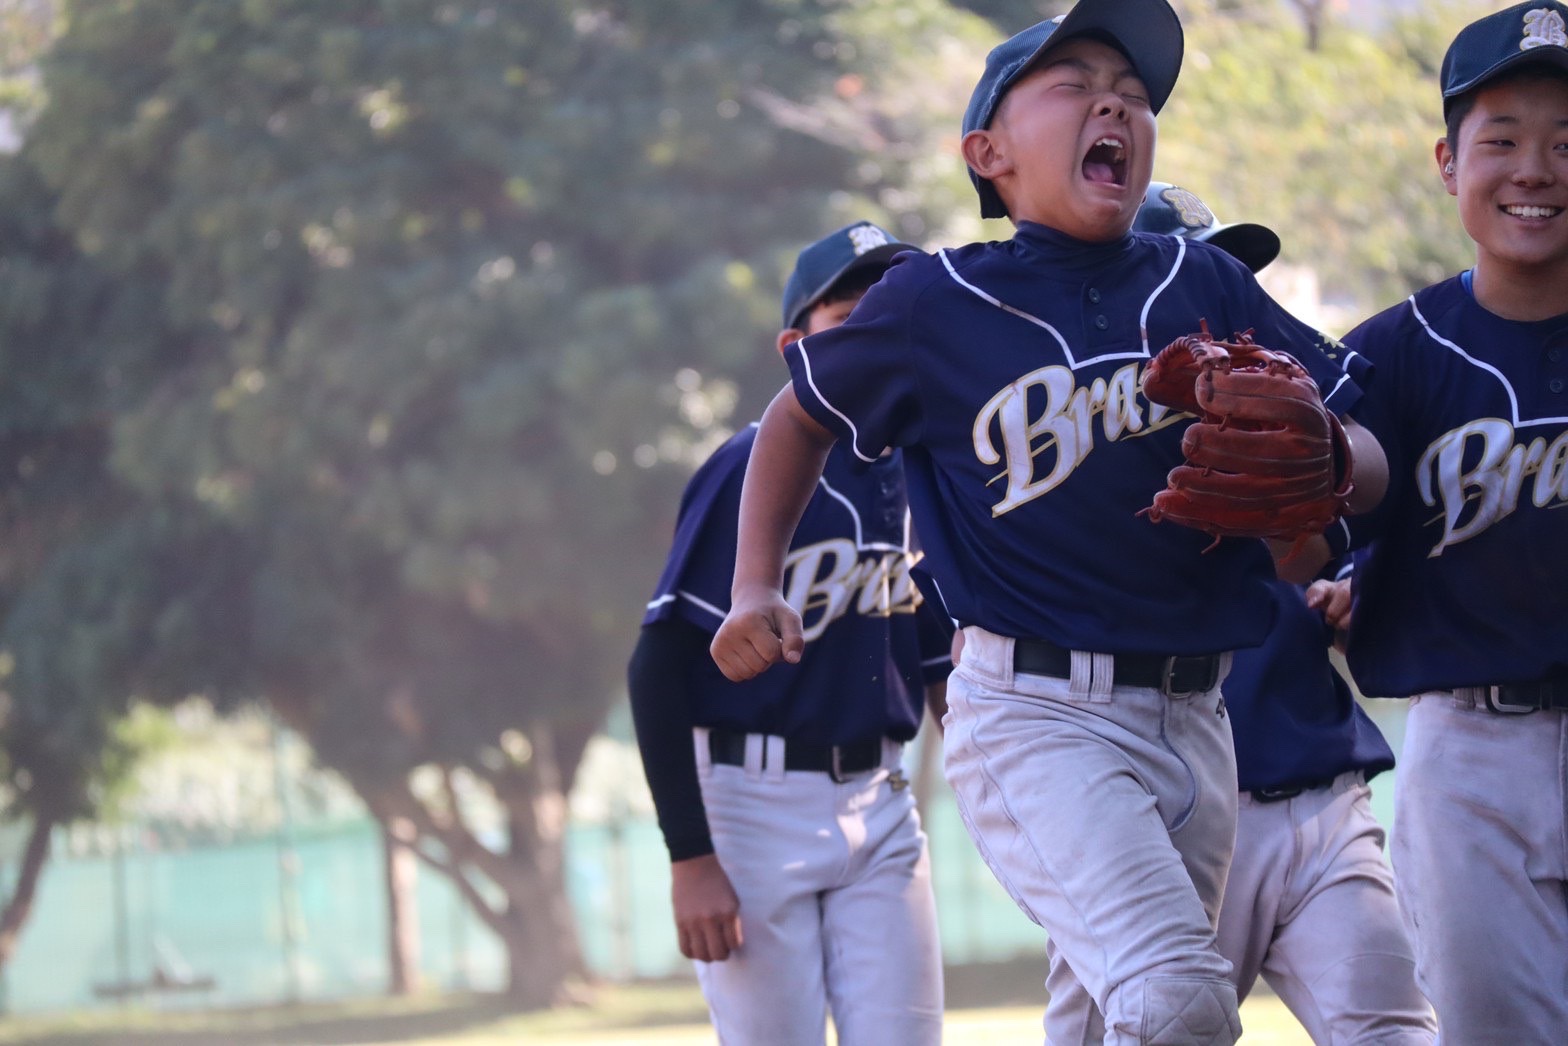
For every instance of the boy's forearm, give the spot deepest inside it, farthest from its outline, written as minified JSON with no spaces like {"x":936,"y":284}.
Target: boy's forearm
{"x":786,"y":461}
{"x":1371,"y":468}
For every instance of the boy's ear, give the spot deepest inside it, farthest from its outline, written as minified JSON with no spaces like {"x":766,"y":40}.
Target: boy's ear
{"x":985,"y":155}
{"x":788,"y":336}
{"x":1445,"y":166}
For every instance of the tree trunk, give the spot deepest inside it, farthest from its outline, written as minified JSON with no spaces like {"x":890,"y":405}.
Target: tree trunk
{"x":534,"y":920}
{"x":20,"y":906}
{"x":540,"y":929}
{"x":402,"y":877}
{"x":1313,"y":14}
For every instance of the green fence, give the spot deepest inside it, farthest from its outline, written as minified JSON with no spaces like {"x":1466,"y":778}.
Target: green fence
{"x":259,"y":921}
{"x":302,"y":915}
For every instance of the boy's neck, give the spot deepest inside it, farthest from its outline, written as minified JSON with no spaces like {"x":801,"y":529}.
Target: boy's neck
{"x":1029,"y":227}
{"x":1523,"y":294}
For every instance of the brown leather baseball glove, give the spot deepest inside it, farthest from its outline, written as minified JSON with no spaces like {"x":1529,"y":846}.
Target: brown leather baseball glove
{"x":1265,"y":459}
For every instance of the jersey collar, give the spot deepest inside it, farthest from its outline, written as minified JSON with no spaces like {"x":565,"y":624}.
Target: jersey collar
{"x":1062,"y":251}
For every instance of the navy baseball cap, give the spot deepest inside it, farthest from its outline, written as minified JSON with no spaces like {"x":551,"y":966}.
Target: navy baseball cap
{"x":1525,"y":34}
{"x":1146,"y":31}
{"x":830,"y":259}
{"x":1171,"y":210}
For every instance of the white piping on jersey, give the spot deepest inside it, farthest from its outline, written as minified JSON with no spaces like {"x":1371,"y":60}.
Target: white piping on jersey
{"x":860,"y":539}
{"x":693,"y":600}
{"x":702,"y":604}
{"x":1344,"y":529}
{"x":1330,"y":393}
{"x":1513,"y":402}
{"x":860,"y":544}
{"x":943,"y":600}
{"x":1072,"y":361}
{"x":1143,"y":316}
{"x":1344,"y":365}
{"x":854,"y":433}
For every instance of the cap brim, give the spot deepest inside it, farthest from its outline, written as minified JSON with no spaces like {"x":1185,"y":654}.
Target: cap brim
{"x":1553,"y":56}
{"x":880,"y":255}
{"x":1255,"y":246}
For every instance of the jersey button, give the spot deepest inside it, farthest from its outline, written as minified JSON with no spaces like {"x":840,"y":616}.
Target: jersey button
{"x":1556,"y":384}
{"x":1554,"y":354}
{"x":1100,"y":323}
{"x":1094,"y":296}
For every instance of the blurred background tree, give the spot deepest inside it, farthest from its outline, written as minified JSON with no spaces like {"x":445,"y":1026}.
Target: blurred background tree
{"x":1331,"y":147}
{"x":445,"y":288}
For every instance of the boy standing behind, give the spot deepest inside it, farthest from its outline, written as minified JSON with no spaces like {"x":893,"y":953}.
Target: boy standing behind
{"x":800,"y":877}
{"x":1086,"y":740}
{"x":1461,"y":596}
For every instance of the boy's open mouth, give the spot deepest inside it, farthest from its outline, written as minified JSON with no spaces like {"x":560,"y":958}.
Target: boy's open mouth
{"x":1106,"y":162}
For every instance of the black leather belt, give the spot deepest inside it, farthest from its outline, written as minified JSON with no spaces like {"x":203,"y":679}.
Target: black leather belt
{"x":1279,"y":795}
{"x":729,"y":748}
{"x":1549,"y":693}
{"x":1173,"y":675}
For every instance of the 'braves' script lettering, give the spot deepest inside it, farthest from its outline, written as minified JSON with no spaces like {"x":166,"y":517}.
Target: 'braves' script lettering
{"x":1043,"y":448}
{"x":1475,"y":498}
{"x":823,"y":580}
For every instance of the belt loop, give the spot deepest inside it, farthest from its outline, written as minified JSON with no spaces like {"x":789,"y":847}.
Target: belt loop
{"x":1081,"y":679}
{"x":756,"y":755}
{"x":1003,"y":648}
{"x":699,"y":740}
{"x":773,"y":758}
{"x":1102,"y":676}
{"x":892,"y":753}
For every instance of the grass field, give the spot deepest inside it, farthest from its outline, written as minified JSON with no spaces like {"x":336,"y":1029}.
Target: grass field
{"x":987,"y":1006}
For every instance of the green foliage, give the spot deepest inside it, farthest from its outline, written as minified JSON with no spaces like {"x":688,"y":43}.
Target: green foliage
{"x":1331,"y":148}
{"x":69,"y":341}
{"x":456,"y":294}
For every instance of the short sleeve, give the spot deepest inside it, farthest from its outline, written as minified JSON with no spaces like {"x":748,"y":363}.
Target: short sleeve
{"x":860,"y":379}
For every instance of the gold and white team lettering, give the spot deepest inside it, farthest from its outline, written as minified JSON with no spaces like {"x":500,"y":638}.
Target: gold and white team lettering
{"x":821,"y":581}
{"x":1063,"y":431}
{"x":1473,"y":499}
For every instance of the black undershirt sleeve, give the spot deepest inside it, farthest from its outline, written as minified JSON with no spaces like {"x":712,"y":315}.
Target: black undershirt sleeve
{"x":659,"y":682}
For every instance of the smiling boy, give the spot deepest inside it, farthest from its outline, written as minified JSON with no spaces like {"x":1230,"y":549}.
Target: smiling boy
{"x":1086,"y":740}
{"x":1461,"y":591}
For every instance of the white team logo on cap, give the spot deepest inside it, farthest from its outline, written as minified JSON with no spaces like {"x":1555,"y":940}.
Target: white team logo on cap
{"x":1543,"y":27}
{"x":1192,"y":212}
{"x":867,"y":237}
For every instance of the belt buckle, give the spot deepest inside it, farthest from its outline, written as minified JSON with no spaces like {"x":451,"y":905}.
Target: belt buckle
{"x":1276,"y":795}
{"x":1495,"y":703}
{"x":1168,"y":673}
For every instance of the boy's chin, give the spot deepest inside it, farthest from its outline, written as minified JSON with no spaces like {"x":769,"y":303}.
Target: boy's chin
{"x":1109,"y":219}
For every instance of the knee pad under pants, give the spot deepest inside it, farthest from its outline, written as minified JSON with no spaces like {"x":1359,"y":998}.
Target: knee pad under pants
{"x":1177,"y":1011}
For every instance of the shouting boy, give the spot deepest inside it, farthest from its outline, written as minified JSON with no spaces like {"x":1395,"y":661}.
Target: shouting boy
{"x":1086,"y":739}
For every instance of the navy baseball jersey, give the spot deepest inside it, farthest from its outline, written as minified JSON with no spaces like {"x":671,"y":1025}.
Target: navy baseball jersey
{"x":1294,"y":719}
{"x":869,"y":646}
{"x":1465,"y":582}
{"x":1009,"y":373}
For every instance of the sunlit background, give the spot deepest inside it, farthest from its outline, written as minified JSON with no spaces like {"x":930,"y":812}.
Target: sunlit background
{"x":353,"y":356}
